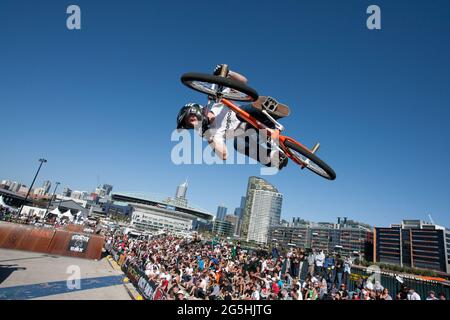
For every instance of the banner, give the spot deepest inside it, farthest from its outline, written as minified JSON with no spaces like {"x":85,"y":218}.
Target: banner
{"x":78,"y":243}
{"x":146,"y":287}
{"x":133,"y":274}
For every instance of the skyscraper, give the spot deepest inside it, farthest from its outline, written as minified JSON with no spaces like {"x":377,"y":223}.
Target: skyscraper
{"x":265,"y":213}
{"x":182,"y":190}
{"x":262,"y":209}
{"x":108,"y":189}
{"x":46,"y":186}
{"x":234,"y":220}
{"x":238,"y":211}
{"x":67,"y":192}
{"x":221,"y":212}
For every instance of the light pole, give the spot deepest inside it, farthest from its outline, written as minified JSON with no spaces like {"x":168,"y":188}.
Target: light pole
{"x":51,"y":198}
{"x":42,"y":161}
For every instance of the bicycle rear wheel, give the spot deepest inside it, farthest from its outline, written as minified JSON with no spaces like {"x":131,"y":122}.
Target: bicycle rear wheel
{"x":307,"y":159}
{"x":219,"y":86}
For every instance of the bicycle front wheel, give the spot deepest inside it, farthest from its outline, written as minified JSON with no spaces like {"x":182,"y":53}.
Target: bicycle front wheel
{"x":215,"y":85}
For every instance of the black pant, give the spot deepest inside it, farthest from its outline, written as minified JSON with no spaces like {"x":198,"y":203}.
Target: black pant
{"x":266,"y":148}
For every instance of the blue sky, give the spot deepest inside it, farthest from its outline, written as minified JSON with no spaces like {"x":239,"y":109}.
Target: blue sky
{"x":100,"y":103}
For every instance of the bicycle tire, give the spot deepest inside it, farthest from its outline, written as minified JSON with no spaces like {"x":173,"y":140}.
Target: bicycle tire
{"x":292,"y":145}
{"x":189,"y":78}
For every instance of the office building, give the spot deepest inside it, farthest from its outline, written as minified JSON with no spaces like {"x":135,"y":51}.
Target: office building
{"x":67,"y":192}
{"x":254,"y":184}
{"x":238,"y":211}
{"x":265,"y":213}
{"x":223,"y":228}
{"x":221,"y":212}
{"x":413,"y":244}
{"x":328,"y":237}
{"x":46,"y":186}
{"x":234,"y":220}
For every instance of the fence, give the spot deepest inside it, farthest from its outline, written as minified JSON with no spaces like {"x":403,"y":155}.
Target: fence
{"x":389,"y":281}
{"x":146,"y":287}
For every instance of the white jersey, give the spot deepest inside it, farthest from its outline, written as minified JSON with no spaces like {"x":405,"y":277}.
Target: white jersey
{"x":226,"y":125}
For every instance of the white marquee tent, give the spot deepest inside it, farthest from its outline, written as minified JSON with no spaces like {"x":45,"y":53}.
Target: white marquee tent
{"x":68,"y":215}
{"x":56,"y":212}
{"x":4,"y":205}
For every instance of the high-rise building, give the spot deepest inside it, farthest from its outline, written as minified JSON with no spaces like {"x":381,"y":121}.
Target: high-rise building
{"x":262,"y":210}
{"x":108,"y":189}
{"x":221,"y":212}
{"x":180,"y":195}
{"x":238,"y":211}
{"x":258,"y":184}
{"x":413,"y":244}
{"x":234,"y":220}
{"x":6,"y":184}
{"x":67,"y":192}
{"x":46,"y":186}
{"x":23,"y":189}
{"x":39,"y":191}
{"x":182,"y":190}
{"x":15,"y":186}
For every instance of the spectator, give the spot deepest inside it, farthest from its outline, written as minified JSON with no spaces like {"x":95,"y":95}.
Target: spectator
{"x":347,"y":271}
{"x":385,"y":295}
{"x":329,"y":268}
{"x":320,"y":259}
{"x":432,"y":296}
{"x":378,"y":287}
{"x":339,"y":270}
{"x":311,"y":262}
{"x":413,"y":295}
{"x":343,"y":292}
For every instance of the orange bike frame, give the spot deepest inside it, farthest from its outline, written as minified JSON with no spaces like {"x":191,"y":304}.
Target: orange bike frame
{"x":274,"y":133}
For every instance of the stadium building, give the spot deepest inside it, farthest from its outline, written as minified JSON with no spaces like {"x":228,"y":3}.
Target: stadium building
{"x":153,"y":215}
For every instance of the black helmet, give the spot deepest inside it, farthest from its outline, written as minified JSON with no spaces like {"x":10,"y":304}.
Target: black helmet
{"x":186,"y":110}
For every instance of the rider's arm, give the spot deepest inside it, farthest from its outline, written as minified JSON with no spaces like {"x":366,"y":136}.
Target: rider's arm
{"x":219,"y":147}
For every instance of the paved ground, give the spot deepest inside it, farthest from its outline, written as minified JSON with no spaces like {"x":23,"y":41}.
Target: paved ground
{"x":30,"y":275}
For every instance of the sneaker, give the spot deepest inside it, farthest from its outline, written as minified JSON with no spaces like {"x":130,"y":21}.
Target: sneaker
{"x":278,"y":160}
{"x":272,"y":106}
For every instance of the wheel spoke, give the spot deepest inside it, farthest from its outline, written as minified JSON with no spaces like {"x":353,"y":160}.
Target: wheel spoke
{"x":307,"y":163}
{"x":228,"y":93}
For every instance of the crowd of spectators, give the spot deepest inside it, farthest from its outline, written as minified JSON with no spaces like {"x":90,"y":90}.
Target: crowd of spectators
{"x":186,"y":269}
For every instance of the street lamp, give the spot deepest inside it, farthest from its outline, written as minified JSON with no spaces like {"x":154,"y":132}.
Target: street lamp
{"x":42,"y":161}
{"x":51,"y":198}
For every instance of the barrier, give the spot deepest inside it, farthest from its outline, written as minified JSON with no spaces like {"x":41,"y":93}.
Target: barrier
{"x":79,"y":245}
{"x":140,"y":281}
{"x":51,"y":241}
{"x":390,"y":282}
{"x":20,"y":237}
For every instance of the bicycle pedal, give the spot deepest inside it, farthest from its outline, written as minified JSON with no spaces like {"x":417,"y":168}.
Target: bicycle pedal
{"x":270,"y":104}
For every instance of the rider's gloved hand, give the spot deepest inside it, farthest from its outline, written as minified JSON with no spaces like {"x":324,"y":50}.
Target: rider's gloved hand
{"x":218,"y":69}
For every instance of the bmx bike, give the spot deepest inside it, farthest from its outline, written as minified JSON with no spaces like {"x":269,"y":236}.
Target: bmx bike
{"x":221,"y":89}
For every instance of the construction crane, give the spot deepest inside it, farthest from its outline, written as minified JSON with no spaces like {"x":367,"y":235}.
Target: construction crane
{"x":431,"y":219}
